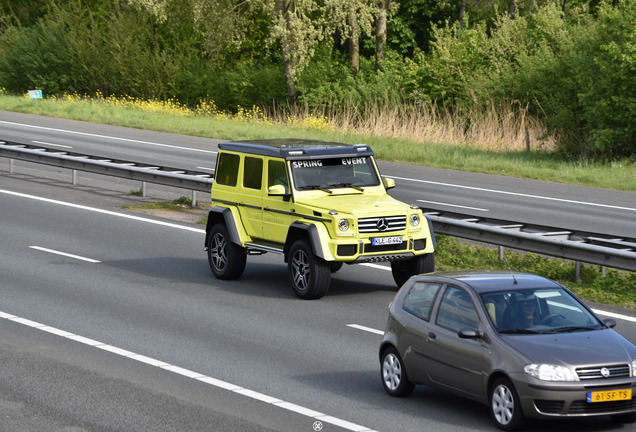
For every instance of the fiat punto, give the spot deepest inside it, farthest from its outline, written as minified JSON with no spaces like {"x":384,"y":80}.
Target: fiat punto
{"x":522,"y":344}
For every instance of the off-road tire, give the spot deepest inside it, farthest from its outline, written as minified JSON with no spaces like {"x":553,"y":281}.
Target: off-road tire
{"x":309,"y":275}
{"x":403,"y":270}
{"x":227,"y":260}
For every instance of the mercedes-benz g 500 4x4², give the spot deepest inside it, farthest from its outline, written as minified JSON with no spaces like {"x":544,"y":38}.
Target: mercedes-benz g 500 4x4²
{"x":319,"y":204}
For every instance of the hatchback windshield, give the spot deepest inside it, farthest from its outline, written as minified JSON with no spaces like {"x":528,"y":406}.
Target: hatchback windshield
{"x":333,"y":173}
{"x":551,"y":310}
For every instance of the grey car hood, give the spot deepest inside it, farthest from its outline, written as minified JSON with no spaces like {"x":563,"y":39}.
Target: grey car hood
{"x":577,"y":348}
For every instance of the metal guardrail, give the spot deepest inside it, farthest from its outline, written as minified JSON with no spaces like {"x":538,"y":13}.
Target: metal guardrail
{"x":579,"y":246}
{"x":166,"y":176}
{"x":584,"y":247}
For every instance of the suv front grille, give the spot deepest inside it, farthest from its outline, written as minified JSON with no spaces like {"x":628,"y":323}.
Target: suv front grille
{"x":615,"y":371}
{"x":381,"y":224}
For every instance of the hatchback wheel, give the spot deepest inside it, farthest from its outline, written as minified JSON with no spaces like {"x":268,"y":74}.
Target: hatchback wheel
{"x":394,"y":378}
{"x":309,"y":275}
{"x":504,"y":405}
{"x":227,"y":260}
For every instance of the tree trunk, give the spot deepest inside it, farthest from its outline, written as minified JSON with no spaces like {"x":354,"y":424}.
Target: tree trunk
{"x":354,"y":42}
{"x":511,"y":9}
{"x":462,"y":11}
{"x":283,"y":7}
{"x":380,"y":34}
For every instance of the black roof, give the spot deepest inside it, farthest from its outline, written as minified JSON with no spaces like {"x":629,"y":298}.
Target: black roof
{"x":485,"y":281}
{"x":292,"y":148}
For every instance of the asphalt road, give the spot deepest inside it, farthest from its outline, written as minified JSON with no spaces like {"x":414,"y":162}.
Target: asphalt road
{"x":112,"y":321}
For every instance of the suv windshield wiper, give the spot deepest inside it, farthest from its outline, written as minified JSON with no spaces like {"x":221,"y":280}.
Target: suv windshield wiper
{"x":315,"y":187}
{"x":349,"y":185}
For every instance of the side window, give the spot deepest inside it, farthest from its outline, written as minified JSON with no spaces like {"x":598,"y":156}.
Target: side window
{"x":226,"y":172}
{"x":457,"y":311}
{"x":277,"y":174}
{"x":419,"y":299}
{"x":253,"y":172}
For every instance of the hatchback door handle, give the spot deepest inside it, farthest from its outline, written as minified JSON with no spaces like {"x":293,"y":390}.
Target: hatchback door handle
{"x":432,"y":335}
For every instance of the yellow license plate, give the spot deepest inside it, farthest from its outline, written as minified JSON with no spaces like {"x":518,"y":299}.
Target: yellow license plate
{"x":610,"y":395}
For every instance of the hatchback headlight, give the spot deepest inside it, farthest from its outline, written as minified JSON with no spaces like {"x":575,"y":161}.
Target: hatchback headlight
{"x":634,"y":368}
{"x":548,"y":372}
{"x":343,"y":224}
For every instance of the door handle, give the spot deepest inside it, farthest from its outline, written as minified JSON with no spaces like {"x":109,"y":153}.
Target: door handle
{"x":432,"y":335}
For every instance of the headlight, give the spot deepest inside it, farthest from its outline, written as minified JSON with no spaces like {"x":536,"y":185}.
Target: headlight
{"x":415,"y":219}
{"x":343,"y":224}
{"x":547,"y":372}
{"x":634,"y":368}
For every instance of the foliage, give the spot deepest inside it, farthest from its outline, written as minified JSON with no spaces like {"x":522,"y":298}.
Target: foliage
{"x":569,"y":66}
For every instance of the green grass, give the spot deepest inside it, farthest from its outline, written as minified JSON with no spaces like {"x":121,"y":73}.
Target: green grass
{"x":615,"y":288}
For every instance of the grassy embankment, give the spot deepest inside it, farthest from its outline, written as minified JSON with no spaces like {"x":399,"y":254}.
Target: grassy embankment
{"x":479,"y":151}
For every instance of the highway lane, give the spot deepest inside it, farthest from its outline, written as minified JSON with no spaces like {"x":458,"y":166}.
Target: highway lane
{"x":148,"y":290}
{"x":534,"y":202}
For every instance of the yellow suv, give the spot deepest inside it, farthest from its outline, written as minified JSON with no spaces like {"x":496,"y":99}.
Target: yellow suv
{"x":319,"y":204}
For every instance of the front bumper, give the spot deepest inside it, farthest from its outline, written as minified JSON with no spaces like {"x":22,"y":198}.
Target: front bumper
{"x":541,"y":399}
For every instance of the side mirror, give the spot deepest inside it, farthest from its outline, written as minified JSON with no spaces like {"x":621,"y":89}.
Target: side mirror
{"x":389,"y":183}
{"x":470,"y":334}
{"x":277,"y":189}
{"x":610,"y":322}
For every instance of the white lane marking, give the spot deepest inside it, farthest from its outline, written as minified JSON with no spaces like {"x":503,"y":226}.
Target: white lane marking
{"x":518,"y":194}
{"x":378,"y":266}
{"x":187,"y":228}
{"x":64,"y":254}
{"x":315,"y":415}
{"x":51,"y":144}
{"x":366,"y":329}
{"x":454,"y":205}
{"x":615,"y":315}
{"x":109,"y":137}
{"x":206,"y":169}
{"x":110,"y":213}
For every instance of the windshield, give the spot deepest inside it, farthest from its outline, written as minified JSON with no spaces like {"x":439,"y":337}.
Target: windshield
{"x":550,"y":310}
{"x":331,"y":173}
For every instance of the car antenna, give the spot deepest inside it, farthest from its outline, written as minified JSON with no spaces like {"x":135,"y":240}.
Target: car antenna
{"x":509,"y":269}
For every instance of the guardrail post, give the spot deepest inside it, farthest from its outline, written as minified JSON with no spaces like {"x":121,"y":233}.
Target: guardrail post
{"x":501,"y":253}
{"x":74,"y":176}
{"x":10,"y":166}
{"x":577,"y":271}
{"x":194,"y":198}
{"x":143,"y":189}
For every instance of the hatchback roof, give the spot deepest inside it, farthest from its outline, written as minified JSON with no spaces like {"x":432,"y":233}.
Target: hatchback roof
{"x":484,"y":281}
{"x":293,"y":148}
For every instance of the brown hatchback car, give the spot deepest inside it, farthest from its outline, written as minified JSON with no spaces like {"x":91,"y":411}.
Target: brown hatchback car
{"x":522,"y":344}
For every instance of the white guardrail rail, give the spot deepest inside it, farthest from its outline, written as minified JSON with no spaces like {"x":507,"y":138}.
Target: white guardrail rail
{"x":591,"y":248}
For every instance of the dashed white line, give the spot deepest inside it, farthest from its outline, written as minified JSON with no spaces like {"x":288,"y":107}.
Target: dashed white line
{"x":308,"y":412}
{"x":77,"y":257}
{"x":366,"y":329}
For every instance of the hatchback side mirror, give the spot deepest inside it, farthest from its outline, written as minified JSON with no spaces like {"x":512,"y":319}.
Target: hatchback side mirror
{"x":470,"y":334}
{"x":610,"y":322}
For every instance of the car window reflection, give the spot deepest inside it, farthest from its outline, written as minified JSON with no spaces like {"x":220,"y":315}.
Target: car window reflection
{"x":457,"y":311}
